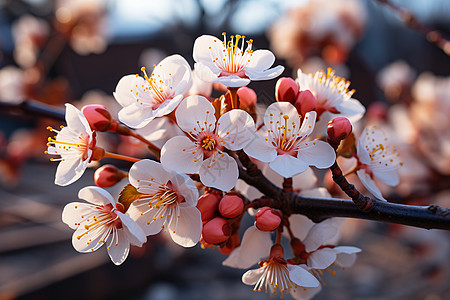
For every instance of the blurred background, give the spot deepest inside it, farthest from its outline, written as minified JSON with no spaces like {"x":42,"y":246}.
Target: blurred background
{"x":58,"y":51}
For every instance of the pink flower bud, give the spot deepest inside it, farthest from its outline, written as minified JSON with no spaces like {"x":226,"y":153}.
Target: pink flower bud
{"x":231,"y":206}
{"x":216,"y":231}
{"x":286,"y":90}
{"x":338,"y":129}
{"x":99,"y":117}
{"x":108,"y":175}
{"x":305,"y":102}
{"x":207,"y":205}
{"x":267,"y":219}
{"x":247,"y":97}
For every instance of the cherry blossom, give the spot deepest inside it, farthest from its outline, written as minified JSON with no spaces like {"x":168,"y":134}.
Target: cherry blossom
{"x":277,"y":276}
{"x":202,"y":150}
{"x":75,"y":144}
{"x":102,"y":221}
{"x":376,"y":159}
{"x":332,"y":94}
{"x":254,"y":246}
{"x":144,"y":99}
{"x":168,"y":202}
{"x":320,"y":251}
{"x":285,"y":146}
{"x":228,"y":63}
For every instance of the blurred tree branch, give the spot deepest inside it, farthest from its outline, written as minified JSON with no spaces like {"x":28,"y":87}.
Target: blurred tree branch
{"x":433,"y":36}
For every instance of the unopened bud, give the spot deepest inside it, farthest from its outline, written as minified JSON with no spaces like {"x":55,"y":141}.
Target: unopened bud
{"x":305,"y":102}
{"x":108,"y":175}
{"x":231,"y":206}
{"x":216,"y":231}
{"x":247,"y":97}
{"x":338,"y":129}
{"x":207,"y":205}
{"x":267,"y":219}
{"x":99,"y":118}
{"x":286,"y":90}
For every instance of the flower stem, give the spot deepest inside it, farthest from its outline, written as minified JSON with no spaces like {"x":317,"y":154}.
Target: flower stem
{"x":234,"y":98}
{"x":119,"y":156}
{"x":287,"y":185}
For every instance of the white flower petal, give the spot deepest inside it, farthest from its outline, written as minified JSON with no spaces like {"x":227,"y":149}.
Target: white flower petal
{"x":261,"y":149}
{"x":195,"y":114}
{"x":264,"y":75}
{"x":73,"y":212}
{"x":300,"y":225}
{"x":363,"y":154}
{"x":254,"y":246}
{"x":148,"y":219}
{"x":76,"y":121}
{"x":142,"y":172}
{"x":70,"y":170}
{"x":167,"y":106}
{"x":389,"y":177}
{"x":189,"y":228}
{"x":123,"y":95}
{"x":322,"y":258}
{"x":136,"y":115}
{"x":233,"y":81}
{"x":316,"y":153}
{"x":319,"y":234}
{"x":304,"y":293}
{"x":96,"y":195}
{"x":175,"y":69}
{"x":236,"y":128}
{"x":251,"y":277}
{"x":134,"y":233}
{"x":118,"y":247}
{"x":346,"y":256}
{"x":202,"y":51}
{"x":181,"y":154}
{"x":204,"y":72}
{"x":275,"y":114}
{"x":302,"y":277}
{"x":308,"y":123}
{"x":288,"y":166}
{"x":221,"y":173}
{"x":369,"y":184}
{"x":88,"y":242}
{"x":186,"y":187}
{"x":260,"y":60}
{"x":352,"y":109}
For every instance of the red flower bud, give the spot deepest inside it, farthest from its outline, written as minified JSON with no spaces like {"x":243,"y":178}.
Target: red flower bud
{"x":231,"y":206}
{"x":216,"y":231}
{"x":286,"y":90}
{"x":305,"y":102}
{"x":338,"y":129}
{"x":99,"y":118}
{"x":247,"y":97}
{"x":207,"y":205}
{"x":108,"y":175}
{"x":267,"y":219}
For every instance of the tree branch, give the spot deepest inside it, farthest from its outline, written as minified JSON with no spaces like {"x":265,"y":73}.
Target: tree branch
{"x":317,"y":209}
{"x":411,"y":22}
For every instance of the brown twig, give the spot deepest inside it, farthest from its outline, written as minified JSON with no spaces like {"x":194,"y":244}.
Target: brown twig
{"x":433,"y":36}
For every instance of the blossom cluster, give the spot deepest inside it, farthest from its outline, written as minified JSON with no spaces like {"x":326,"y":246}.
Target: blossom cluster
{"x":188,"y":185}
